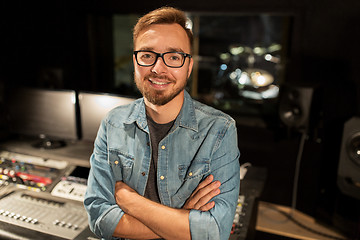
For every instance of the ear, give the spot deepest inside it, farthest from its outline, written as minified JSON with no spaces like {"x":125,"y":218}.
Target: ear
{"x":191,"y":64}
{"x":134,"y":60}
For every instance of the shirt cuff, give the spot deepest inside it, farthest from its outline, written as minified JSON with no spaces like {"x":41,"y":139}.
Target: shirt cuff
{"x":203,"y":225}
{"x":107,"y":223}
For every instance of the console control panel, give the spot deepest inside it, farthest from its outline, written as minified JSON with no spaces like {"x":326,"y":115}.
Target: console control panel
{"x":30,"y":172}
{"x":70,"y":188}
{"x":43,"y":213}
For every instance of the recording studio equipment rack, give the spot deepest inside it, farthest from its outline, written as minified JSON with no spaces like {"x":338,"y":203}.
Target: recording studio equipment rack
{"x":246,"y":212}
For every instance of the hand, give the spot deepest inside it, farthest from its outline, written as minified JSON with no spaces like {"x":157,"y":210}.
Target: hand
{"x":123,"y":194}
{"x":204,"y":192}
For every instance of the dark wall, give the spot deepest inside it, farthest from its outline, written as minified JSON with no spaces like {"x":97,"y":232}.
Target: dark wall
{"x":75,"y":36}
{"x":68,"y":44}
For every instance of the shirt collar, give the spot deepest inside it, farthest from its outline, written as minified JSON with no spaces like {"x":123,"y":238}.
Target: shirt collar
{"x":138,"y":114}
{"x":187,"y":116}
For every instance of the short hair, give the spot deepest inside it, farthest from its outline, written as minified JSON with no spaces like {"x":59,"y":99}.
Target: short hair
{"x":163,"y":15}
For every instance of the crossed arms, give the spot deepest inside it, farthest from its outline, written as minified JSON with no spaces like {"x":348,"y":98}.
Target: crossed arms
{"x":116,"y":209}
{"x":145,"y":219}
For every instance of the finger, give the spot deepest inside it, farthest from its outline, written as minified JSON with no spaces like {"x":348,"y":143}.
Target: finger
{"x":204,"y":195}
{"x":207,"y":206}
{"x":204,"y":183}
{"x":196,"y":197}
{"x":206,"y":198}
{"x":207,"y":189}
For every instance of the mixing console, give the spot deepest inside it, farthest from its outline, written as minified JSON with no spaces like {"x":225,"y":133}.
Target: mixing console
{"x":36,"y":199}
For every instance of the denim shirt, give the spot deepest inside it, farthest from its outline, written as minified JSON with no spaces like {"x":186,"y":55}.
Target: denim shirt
{"x":202,"y":141}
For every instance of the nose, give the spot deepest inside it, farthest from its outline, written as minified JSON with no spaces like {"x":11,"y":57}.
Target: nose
{"x":159,"y":66}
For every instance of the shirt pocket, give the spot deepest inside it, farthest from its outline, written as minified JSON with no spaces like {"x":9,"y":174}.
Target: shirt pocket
{"x":189,"y":178}
{"x":121,"y":164}
{"x":197,"y":169}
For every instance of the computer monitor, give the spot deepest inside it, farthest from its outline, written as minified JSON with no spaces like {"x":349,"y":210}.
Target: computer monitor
{"x":93,"y":108}
{"x":47,"y":114}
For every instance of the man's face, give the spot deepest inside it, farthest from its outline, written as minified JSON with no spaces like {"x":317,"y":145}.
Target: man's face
{"x":159,"y":83}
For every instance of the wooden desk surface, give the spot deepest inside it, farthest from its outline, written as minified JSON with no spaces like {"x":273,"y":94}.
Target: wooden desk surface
{"x":270,"y":220}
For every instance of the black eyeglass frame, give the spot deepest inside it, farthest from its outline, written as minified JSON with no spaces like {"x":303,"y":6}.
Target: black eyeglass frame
{"x":162,"y":56}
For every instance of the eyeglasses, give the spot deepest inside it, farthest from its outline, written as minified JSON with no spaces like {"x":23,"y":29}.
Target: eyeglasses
{"x":171,"y":59}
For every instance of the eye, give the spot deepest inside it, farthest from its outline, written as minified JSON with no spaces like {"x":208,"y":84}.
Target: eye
{"x":146,"y":56}
{"x":174,"y":57}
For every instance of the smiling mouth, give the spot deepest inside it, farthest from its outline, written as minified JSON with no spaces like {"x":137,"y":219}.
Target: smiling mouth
{"x":158,"y":83}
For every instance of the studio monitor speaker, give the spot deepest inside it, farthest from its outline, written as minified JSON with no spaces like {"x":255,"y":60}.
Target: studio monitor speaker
{"x":348,"y":177}
{"x":294,"y":106}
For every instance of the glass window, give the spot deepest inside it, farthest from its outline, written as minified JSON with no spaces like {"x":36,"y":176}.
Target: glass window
{"x":239,"y":60}
{"x":123,"y":52}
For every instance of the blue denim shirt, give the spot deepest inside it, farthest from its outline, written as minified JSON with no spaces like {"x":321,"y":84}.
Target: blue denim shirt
{"x":202,"y":141}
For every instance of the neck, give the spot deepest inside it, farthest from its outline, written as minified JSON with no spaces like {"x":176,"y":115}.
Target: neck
{"x":165,"y":113}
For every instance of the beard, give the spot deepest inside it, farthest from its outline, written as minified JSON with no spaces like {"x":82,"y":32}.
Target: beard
{"x":157,"y":97}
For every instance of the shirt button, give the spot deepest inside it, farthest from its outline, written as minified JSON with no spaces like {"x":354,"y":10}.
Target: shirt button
{"x":190,"y":174}
{"x":143,"y":173}
{"x":162,"y":177}
{"x":116,"y":162}
{"x":162,"y":147}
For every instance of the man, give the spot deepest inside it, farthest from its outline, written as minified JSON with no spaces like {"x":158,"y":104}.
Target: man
{"x":164,"y":166}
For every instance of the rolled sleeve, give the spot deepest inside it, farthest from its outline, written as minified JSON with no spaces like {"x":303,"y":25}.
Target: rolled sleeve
{"x":203,"y":226}
{"x":225,"y":167}
{"x":105,"y":225}
{"x":103,"y":212}
{"x":217,"y":222}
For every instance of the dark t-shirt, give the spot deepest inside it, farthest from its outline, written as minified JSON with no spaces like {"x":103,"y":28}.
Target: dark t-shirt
{"x":157,"y":133}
